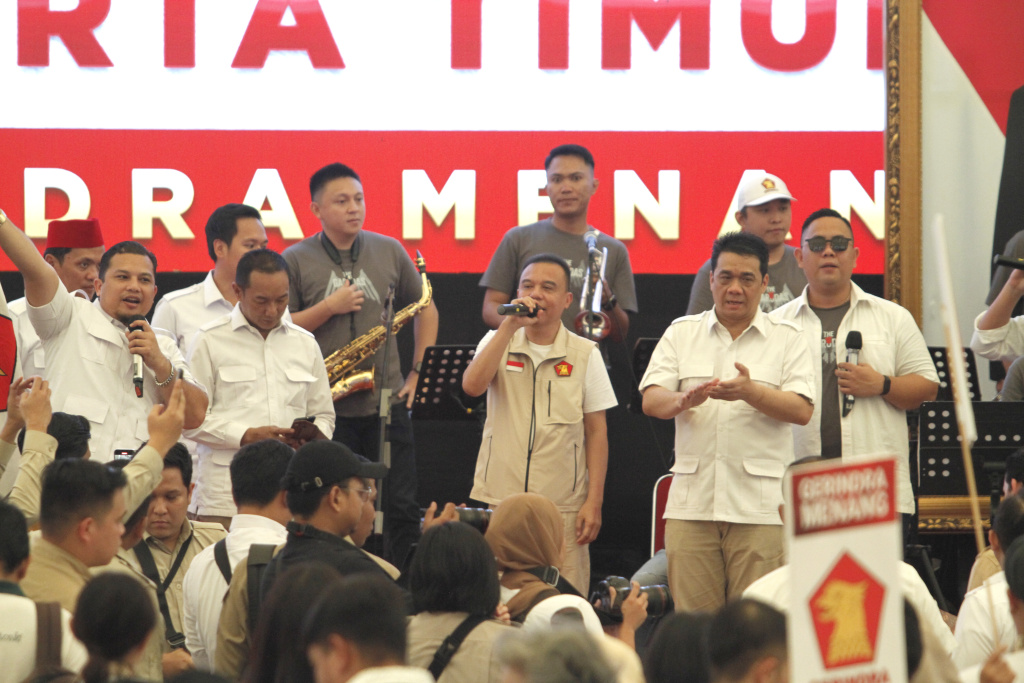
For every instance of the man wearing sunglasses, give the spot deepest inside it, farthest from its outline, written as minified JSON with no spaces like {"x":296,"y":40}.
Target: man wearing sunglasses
{"x":894,"y":373}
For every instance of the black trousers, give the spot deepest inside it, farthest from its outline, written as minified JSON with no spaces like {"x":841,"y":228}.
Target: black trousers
{"x":401,"y":511}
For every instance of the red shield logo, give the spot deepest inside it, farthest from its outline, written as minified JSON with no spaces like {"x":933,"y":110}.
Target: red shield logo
{"x":846,"y":609}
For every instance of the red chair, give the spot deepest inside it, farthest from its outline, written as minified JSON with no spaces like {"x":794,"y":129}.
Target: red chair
{"x":657,"y":512}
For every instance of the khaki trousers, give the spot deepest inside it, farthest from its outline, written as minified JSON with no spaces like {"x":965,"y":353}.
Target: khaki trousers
{"x":576,"y":568}
{"x":711,"y":562}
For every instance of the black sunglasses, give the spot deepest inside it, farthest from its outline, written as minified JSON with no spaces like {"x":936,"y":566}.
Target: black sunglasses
{"x":838,"y":243}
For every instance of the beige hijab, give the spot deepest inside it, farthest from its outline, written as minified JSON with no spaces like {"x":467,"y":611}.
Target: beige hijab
{"x":526,"y":532}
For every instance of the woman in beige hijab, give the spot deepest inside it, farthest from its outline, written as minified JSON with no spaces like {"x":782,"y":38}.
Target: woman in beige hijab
{"x":525,"y":533}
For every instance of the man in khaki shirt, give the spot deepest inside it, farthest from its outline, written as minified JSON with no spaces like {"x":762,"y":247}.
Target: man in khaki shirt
{"x":171,"y":541}
{"x":82,"y":508}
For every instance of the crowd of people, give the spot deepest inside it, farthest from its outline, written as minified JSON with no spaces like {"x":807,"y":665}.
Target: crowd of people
{"x":199,"y":489}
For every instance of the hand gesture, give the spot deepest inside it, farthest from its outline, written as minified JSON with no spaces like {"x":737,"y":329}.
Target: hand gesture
{"x":634,"y":607}
{"x":694,"y":396}
{"x":345,"y":299}
{"x":859,"y":380}
{"x":995,"y":669}
{"x":35,"y":405}
{"x":449,"y":514}
{"x":408,"y":390}
{"x":739,"y":388}
{"x":15,"y":421}
{"x":142,"y":342}
{"x":588,"y":523}
{"x":165,"y":422}
{"x":254,"y":434}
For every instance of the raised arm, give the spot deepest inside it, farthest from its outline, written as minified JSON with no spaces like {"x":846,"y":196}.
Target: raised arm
{"x":41,"y":281}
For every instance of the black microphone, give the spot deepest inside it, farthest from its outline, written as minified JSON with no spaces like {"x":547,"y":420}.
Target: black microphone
{"x":520,"y":310}
{"x":1009,"y":262}
{"x":137,"y":359}
{"x":854,"y":344}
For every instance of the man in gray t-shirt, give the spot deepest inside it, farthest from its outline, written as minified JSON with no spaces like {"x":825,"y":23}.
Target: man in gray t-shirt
{"x":339,"y":281}
{"x":763,"y":209}
{"x":571,"y":183}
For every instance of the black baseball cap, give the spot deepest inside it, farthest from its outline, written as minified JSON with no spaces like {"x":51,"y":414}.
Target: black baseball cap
{"x":325,"y":463}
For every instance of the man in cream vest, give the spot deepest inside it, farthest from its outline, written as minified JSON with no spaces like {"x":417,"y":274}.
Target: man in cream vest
{"x":547,"y":391}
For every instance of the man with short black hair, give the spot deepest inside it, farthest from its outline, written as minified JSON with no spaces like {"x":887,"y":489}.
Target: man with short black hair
{"x":172,"y":541}
{"x":327,"y":490}
{"x":263,"y":374}
{"x":747,"y":644}
{"x":894,"y":373}
{"x":356,"y":632}
{"x":232,"y":231}
{"x":734,"y":381}
{"x":571,"y":184}
{"x":257,"y":470}
{"x":18,"y":628}
{"x":763,"y":208}
{"x":90,"y":347}
{"x":80,"y":518}
{"x":340,"y":279}
{"x":547,"y":393}
{"x":73,"y":249}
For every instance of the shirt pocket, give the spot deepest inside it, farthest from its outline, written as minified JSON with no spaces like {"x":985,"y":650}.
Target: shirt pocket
{"x":564,"y":399}
{"x":684,"y":477}
{"x":236,"y":385}
{"x":300,"y":383}
{"x":762,"y":484}
{"x":693,"y":373}
{"x":92,"y":408}
{"x":879,"y":352}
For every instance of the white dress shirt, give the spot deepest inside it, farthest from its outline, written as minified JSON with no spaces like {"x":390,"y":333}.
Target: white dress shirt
{"x":974,"y":624}
{"x":30,"y":347}
{"x":774,"y":589}
{"x":253,"y":382}
{"x":1003,"y":343}
{"x":205,"y":587}
{"x":184,"y":311}
{"x":730,"y":457}
{"x":89,"y":369}
{"x":893,"y":346}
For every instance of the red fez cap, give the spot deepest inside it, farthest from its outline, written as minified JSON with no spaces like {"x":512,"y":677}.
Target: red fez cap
{"x":77,"y":234}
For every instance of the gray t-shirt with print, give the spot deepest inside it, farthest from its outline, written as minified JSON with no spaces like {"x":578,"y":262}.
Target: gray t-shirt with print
{"x":831,"y":431}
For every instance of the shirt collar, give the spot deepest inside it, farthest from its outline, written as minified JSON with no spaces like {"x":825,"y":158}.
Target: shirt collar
{"x":243,"y":521}
{"x":758,"y":323}
{"x":186,"y":529}
{"x":11,"y":588}
{"x":857,"y":295}
{"x":238,"y":321}
{"x":111,"y":319}
{"x":211,"y":293}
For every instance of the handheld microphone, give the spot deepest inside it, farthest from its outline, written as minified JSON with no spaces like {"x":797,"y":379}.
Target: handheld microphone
{"x":1008,"y":262}
{"x":136,"y":359}
{"x":854,"y":343}
{"x":519,"y":310}
{"x":591,"y":239}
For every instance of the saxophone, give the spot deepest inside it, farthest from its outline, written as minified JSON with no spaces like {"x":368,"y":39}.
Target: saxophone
{"x":342,"y":374}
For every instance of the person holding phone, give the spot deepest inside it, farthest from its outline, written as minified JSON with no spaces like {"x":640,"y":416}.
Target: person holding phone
{"x":266,"y":377}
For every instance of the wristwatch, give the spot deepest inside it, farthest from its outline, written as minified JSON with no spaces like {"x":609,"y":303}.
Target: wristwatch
{"x":886,"y":385}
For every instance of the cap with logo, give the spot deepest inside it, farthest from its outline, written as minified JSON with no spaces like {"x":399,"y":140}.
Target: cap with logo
{"x":762,"y":189}
{"x":325,"y":463}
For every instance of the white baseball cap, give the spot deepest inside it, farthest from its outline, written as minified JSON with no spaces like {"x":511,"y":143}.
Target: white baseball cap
{"x":762,"y":189}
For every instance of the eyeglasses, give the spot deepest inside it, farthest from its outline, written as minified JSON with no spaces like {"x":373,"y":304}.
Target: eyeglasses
{"x":364,"y":493}
{"x":838,"y":243}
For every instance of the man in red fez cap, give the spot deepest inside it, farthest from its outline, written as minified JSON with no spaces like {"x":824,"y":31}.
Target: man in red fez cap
{"x":73,"y":249}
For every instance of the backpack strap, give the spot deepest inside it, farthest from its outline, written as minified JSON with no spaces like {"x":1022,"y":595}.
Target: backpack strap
{"x":49,"y":635}
{"x":220,"y":555}
{"x":260,"y":555}
{"x":452,"y":643}
{"x":175,"y":638}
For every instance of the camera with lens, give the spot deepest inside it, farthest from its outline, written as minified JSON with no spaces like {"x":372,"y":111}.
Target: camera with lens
{"x":659,"y":600}
{"x":478,"y":518}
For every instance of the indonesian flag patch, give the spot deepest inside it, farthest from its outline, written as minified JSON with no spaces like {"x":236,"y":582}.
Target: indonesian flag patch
{"x":514,"y":365}
{"x":563,"y":369}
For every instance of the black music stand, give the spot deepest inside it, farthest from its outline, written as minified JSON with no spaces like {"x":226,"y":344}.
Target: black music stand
{"x":940,"y":466}
{"x":941,"y":360}
{"x":439,"y":394}
{"x":642,"y":352}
